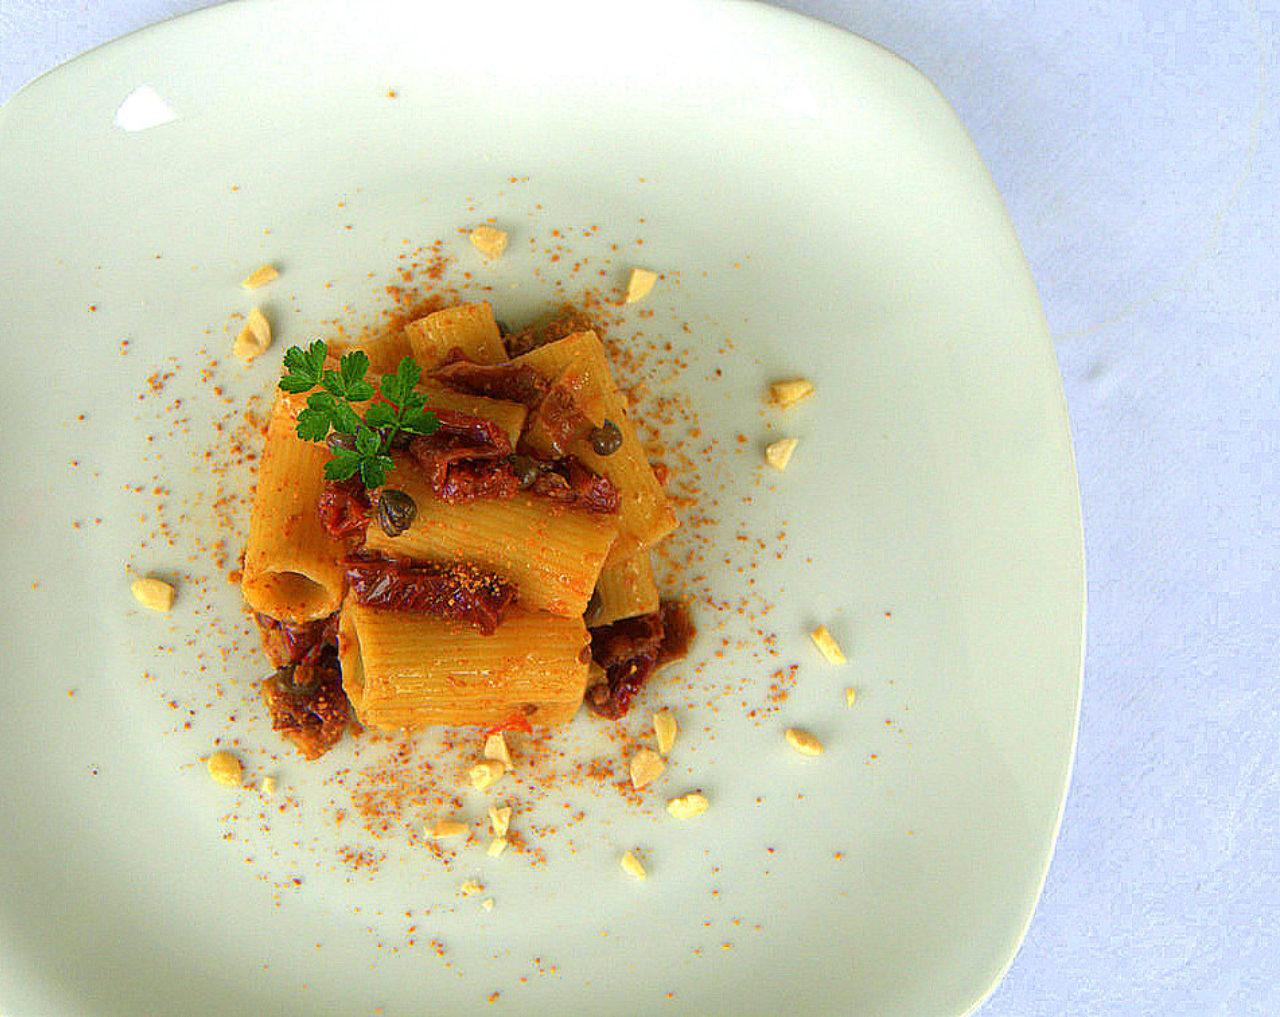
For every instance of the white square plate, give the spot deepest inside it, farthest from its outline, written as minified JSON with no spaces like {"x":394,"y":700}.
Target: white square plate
{"x":816,"y":209}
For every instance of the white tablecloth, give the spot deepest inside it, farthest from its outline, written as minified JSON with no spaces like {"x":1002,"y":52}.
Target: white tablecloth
{"x":1135,"y":144}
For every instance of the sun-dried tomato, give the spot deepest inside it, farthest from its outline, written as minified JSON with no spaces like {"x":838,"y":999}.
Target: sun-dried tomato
{"x":517,"y":383}
{"x":343,"y":508}
{"x":629,"y":650}
{"x":456,"y":590}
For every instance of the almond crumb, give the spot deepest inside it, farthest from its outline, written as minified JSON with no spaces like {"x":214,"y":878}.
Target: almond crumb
{"x":850,"y":695}
{"x":500,"y":819}
{"x":260,"y":276}
{"x":153,"y":593}
{"x":803,"y":742}
{"x":783,"y":394}
{"x":268,"y":785}
{"x":688,"y":806}
{"x":496,"y":846}
{"x":254,"y":338}
{"x":640,"y":284}
{"x":485,"y":775}
{"x":646,"y":765}
{"x":778,"y":454}
{"x":666,"y":729}
{"x":495,"y":747}
{"x":471,"y":887}
{"x":631,"y":865}
{"x":830,"y":649}
{"x":487,"y":903}
{"x":448,"y":828}
{"x":225,"y":769}
{"x":489,"y":241}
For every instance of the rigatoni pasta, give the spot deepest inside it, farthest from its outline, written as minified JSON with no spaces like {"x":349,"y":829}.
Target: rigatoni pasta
{"x":404,"y":670}
{"x":291,"y":569}
{"x":625,"y":588}
{"x":384,"y":351}
{"x":469,"y":328}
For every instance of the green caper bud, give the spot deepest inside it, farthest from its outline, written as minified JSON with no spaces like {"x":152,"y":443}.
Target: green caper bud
{"x":394,"y":511}
{"x":605,"y":439}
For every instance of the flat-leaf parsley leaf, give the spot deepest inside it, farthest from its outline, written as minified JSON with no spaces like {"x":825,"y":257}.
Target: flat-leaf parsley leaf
{"x":366,"y":448}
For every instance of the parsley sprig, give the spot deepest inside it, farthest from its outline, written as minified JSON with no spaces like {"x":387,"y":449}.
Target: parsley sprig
{"x":367,"y":441}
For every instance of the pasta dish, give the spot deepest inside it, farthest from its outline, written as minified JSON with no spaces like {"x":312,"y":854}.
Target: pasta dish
{"x":466,"y":543}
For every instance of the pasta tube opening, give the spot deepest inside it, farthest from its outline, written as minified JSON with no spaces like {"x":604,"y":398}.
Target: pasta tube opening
{"x":289,"y":596}
{"x":351,"y":660}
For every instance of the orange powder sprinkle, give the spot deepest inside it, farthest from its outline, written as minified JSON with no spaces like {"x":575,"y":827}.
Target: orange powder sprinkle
{"x":384,"y":794}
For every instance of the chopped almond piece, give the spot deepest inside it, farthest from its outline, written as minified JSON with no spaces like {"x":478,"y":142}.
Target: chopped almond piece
{"x":500,"y":819}
{"x":631,"y":865}
{"x":850,"y":695}
{"x":246,"y":348}
{"x":783,"y":394}
{"x":496,"y":846}
{"x":254,"y":338}
{"x":495,"y":747}
{"x":153,"y":593}
{"x":688,"y":806}
{"x":646,"y":765}
{"x":489,"y":241}
{"x":778,"y":454}
{"x":485,"y":775}
{"x":827,"y":645}
{"x":260,"y":276}
{"x":471,"y":887}
{"x":225,"y":769}
{"x":640,"y":284}
{"x":666,"y":729}
{"x":448,"y":828}
{"x":268,"y":785}
{"x":803,"y":742}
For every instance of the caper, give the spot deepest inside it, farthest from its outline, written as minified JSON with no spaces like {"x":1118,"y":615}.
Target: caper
{"x":527,"y":469}
{"x":337,"y":441}
{"x":605,"y":439}
{"x":394,"y":511}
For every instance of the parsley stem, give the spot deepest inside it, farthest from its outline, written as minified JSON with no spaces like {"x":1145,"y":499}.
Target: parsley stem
{"x":389,"y":437}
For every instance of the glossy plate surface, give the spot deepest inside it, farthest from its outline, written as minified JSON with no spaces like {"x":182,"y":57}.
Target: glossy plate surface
{"x":815,"y":209}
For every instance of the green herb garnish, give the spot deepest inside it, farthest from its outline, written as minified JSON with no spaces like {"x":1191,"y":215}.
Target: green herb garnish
{"x":360,"y":444}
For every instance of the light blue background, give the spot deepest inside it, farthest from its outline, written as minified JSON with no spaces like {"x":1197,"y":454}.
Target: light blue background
{"x":1136,"y":146}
